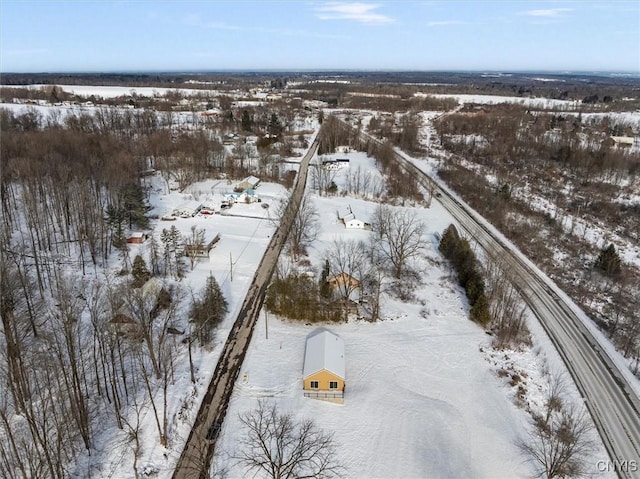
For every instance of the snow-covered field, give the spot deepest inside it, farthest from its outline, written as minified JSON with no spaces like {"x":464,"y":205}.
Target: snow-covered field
{"x":116,"y":91}
{"x":420,"y":401}
{"x":495,"y":99}
{"x":422,"y":395}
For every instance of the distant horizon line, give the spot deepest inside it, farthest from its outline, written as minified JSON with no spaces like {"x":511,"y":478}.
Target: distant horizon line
{"x":323,"y":70}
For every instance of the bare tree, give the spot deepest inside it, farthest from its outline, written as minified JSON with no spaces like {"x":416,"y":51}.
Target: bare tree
{"x":560,"y":439}
{"x":304,"y":225}
{"x":398,"y":237}
{"x":283,"y":448}
{"x":322,"y":177}
{"x":506,"y":306}
{"x":347,"y":257}
{"x":193,"y":243}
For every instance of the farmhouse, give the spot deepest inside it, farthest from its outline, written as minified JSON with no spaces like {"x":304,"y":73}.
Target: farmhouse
{"x":324,"y":366}
{"x":202,"y":250}
{"x":250,"y":182}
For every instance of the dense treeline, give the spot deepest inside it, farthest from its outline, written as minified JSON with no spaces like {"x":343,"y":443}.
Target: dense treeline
{"x":458,"y":250}
{"x":531,"y":230}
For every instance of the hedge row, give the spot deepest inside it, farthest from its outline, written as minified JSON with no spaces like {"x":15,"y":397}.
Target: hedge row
{"x":458,"y":251}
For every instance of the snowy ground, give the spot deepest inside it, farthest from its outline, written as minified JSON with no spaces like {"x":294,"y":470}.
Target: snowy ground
{"x":244,"y":238}
{"x":116,"y":91}
{"x":423,"y":398}
{"x":494,"y":99}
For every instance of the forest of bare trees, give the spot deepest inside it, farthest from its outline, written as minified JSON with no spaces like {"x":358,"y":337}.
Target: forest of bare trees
{"x":569,"y":162}
{"x":82,"y":348}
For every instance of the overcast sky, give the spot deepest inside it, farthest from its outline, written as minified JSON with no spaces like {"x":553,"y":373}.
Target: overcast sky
{"x":75,"y":36}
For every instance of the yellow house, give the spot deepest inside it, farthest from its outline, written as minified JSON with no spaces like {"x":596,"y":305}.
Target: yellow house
{"x":324,"y":366}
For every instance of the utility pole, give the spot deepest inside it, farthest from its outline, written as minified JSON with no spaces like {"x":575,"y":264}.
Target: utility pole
{"x":266,"y":324}
{"x":231,"y":266}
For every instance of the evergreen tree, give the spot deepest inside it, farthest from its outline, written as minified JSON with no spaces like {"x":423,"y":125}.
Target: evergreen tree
{"x":449,"y":242}
{"x":115,"y":219}
{"x":325,"y":287}
{"x":133,"y":203}
{"x":275,"y":128}
{"x":480,"y":311}
{"x":207,"y":312}
{"x":139,"y":272}
{"x":609,"y":261}
{"x":246,"y":121}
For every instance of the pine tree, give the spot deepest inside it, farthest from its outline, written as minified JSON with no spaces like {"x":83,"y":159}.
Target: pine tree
{"x":449,"y":242}
{"x":275,"y":128}
{"x":115,"y":219}
{"x":206,"y":313}
{"x":480,"y":311}
{"x":139,"y":272}
{"x":133,"y":203}
{"x":325,"y":287}
{"x":246,"y":121}
{"x":609,"y":261}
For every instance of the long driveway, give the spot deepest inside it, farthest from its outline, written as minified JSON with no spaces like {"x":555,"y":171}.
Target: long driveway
{"x":194,"y":462}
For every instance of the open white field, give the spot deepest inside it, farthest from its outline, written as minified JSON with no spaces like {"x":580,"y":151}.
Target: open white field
{"x":420,"y":401}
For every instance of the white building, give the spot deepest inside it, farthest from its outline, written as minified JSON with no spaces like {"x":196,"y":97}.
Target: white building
{"x":348,"y":217}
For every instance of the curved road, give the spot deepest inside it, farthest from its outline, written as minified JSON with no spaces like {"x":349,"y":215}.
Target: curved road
{"x":612,"y":403}
{"x":194,"y":462}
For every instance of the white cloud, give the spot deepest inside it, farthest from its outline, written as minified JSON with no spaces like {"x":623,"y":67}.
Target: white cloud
{"x":549,"y":12}
{"x":359,"y":12}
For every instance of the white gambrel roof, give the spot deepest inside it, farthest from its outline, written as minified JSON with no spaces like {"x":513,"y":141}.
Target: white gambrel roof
{"x":324,"y":350}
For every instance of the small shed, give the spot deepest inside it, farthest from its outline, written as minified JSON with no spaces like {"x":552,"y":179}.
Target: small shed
{"x":324,"y":366}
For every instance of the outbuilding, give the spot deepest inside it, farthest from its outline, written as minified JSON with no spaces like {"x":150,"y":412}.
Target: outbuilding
{"x":137,"y":237}
{"x":324,"y":366}
{"x":250,"y":182}
{"x":187,"y":209}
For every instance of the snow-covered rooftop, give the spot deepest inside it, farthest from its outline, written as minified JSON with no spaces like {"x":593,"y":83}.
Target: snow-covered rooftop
{"x":324,"y":350}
